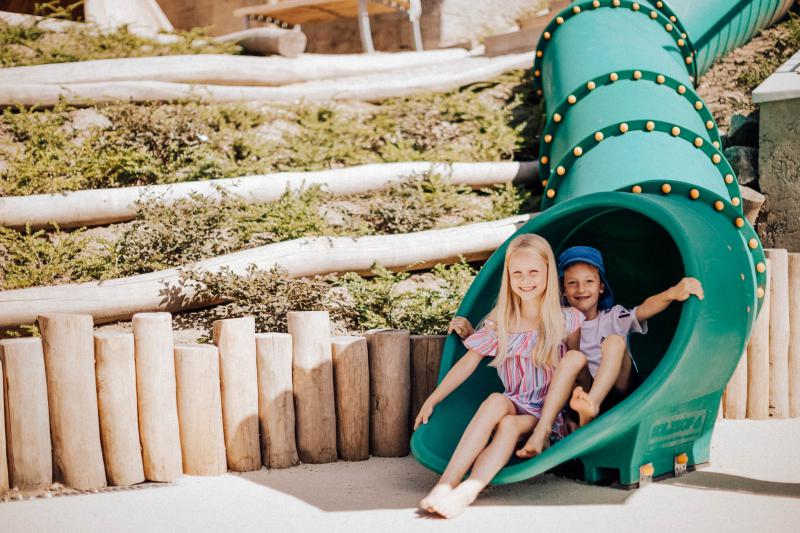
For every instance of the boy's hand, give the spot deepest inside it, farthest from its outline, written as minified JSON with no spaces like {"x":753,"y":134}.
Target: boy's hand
{"x":685,"y":288}
{"x":461,"y":326}
{"x":425,"y":413}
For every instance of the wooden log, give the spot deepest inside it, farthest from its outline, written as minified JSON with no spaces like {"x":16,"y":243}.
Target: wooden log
{"x":105,"y":206}
{"x":779,"y":333}
{"x":513,"y":42}
{"x":236,"y":340}
{"x":118,"y":299}
{"x":276,"y":400}
{"x":794,"y":335}
{"x":223,"y":69}
{"x":351,"y":390}
{"x":426,"y":355}
{"x":113,"y":15}
{"x":200,"y":409}
{"x":369,"y":88}
{"x":4,"y":486}
{"x":68,"y":345}
{"x":736,"y":392}
{"x":312,"y":376}
{"x":156,"y":395}
{"x":758,"y":361}
{"x":268,"y":41}
{"x":27,"y":422}
{"x":116,"y":401}
{"x":752,"y":203}
{"x":390,"y":392}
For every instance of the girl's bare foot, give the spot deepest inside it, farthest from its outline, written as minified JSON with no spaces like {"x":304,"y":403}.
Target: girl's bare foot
{"x":583,"y":405}
{"x":457,"y":500}
{"x":536,"y":444}
{"x":438,"y":492}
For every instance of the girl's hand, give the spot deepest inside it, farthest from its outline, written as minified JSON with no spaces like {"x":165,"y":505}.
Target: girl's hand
{"x":685,"y":288}
{"x":461,"y":326}
{"x":425,"y":413}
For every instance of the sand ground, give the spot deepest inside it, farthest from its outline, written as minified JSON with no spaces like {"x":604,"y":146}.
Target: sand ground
{"x":752,"y":484}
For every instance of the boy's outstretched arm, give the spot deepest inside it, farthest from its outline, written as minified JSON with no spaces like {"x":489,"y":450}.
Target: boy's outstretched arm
{"x":658,"y":302}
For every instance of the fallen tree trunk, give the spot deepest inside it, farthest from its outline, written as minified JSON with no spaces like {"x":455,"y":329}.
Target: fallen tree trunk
{"x":373,"y":88}
{"x":119,"y":299}
{"x":268,"y":41}
{"x":106,"y":206}
{"x":221,"y":69}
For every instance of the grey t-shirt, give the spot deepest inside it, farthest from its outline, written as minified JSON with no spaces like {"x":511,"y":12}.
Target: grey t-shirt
{"x":614,"y":321}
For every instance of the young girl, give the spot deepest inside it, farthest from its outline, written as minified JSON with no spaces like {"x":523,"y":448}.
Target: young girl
{"x":525,"y":334}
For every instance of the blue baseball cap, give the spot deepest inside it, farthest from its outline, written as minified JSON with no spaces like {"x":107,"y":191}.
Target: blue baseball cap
{"x":590,"y":256}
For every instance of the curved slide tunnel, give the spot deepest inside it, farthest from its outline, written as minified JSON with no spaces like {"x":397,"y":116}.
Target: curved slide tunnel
{"x":633,"y":166}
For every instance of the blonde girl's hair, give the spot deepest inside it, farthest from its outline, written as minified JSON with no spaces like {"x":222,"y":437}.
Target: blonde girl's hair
{"x":507,"y":311}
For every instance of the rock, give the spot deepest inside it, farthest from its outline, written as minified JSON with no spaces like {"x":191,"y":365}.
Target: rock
{"x":84,"y":119}
{"x":752,"y":203}
{"x":743,"y":130}
{"x":744,"y":161}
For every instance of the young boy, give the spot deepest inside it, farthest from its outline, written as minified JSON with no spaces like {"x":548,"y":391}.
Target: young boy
{"x":604,"y":362}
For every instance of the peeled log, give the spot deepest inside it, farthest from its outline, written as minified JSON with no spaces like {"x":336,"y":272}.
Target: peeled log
{"x":116,"y":401}
{"x":370,"y":88}
{"x":268,"y":41}
{"x":351,"y":389}
{"x":312,"y":375}
{"x":200,"y":409}
{"x":794,"y":335}
{"x":220,"y":69}
{"x":779,"y":333}
{"x":735,"y":404}
{"x":156,"y":394}
{"x":426,"y":355}
{"x":276,"y":400}
{"x":68,"y":344}
{"x":758,"y":360}
{"x":389,"y":391}
{"x":27,"y":418}
{"x":119,"y":299}
{"x":3,"y":456}
{"x":236,"y":340}
{"x":106,"y":206}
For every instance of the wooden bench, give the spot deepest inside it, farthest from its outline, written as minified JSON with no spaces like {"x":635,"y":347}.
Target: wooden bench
{"x":297,"y":12}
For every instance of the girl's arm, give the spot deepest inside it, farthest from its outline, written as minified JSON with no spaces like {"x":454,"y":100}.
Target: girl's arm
{"x":455,"y":377}
{"x":680,"y":292}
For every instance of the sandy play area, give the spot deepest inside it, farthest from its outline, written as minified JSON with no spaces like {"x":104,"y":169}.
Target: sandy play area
{"x":753,"y":484}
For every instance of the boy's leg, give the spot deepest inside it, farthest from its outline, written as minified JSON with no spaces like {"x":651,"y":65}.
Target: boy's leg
{"x":613,"y":358}
{"x":472,"y":442}
{"x":487,"y":465}
{"x":563,"y":381}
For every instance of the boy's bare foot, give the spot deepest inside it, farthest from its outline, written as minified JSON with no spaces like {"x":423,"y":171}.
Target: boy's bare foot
{"x":583,"y":405}
{"x":536,"y":444}
{"x":438,"y":492}
{"x":457,"y":500}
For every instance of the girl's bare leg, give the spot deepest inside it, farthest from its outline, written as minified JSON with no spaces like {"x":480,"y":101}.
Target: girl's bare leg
{"x":487,"y":465}
{"x":472,"y":442}
{"x":560,"y":387}
{"x":614,"y":370}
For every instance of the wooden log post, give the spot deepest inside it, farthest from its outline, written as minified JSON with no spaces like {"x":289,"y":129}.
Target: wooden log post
{"x":27,"y":422}
{"x":779,"y":333}
{"x":351,"y":390}
{"x":116,"y":402}
{"x":200,"y":409}
{"x":156,"y":394}
{"x":794,"y":335}
{"x":236,"y":340}
{"x":276,"y":400}
{"x":758,"y":361}
{"x":390,"y":392}
{"x":312,"y":376}
{"x":68,"y":345}
{"x":4,"y":486}
{"x":426,"y":354}
{"x":736,"y":392}
{"x":268,"y":41}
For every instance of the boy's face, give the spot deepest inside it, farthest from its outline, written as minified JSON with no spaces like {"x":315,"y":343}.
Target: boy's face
{"x":582,"y":287}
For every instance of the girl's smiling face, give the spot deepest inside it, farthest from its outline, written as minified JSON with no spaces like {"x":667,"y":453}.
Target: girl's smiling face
{"x":582,"y":287}
{"x":527,"y":273}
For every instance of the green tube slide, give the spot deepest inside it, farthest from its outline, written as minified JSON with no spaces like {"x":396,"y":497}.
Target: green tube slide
{"x":633,"y":167}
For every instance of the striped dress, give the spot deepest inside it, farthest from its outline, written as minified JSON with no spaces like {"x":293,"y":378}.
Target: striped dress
{"x":525,"y":383}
